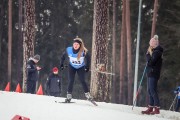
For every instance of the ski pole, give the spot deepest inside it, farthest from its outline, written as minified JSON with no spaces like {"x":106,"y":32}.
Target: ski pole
{"x":139,"y":88}
{"x":173,"y":101}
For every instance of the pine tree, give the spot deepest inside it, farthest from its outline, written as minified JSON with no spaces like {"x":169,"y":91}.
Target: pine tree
{"x":100,"y":82}
{"x":29,"y":37}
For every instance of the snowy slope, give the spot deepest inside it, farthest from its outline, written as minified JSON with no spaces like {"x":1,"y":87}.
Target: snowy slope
{"x":37,"y":107}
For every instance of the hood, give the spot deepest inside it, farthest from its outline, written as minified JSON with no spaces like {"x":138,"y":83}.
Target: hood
{"x":31,"y":60}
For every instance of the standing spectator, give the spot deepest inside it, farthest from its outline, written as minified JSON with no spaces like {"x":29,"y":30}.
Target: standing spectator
{"x":79,"y":60}
{"x":32,"y":73}
{"x":177,"y":91}
{"x":53,"y":84}
{"x":154,"y":63}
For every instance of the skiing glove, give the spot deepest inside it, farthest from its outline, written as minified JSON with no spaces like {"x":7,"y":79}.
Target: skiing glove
{"x":86,"y":69}
{"x":61,"y":66}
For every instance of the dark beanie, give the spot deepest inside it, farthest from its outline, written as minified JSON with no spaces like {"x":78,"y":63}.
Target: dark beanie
{"x":78,"y":41}
{"x":37,"y":57}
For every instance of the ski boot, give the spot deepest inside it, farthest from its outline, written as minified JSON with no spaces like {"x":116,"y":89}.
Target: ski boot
{"x":68,"y":99}
{"x":88,"y":96}
{"x":156,"y":110}
{"x":148,"y":111}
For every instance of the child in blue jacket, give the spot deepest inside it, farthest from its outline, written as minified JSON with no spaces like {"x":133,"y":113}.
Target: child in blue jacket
{"x":177,"y":91}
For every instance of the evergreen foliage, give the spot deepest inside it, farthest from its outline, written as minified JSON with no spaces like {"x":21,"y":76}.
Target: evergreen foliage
{"x":59,"y":22}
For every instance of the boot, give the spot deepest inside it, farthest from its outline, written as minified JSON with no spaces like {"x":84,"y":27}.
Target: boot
{"x":156,"y":111}
{"x":68,"y":99}
{"x":88,"y":96}
{"x":148,"y":111}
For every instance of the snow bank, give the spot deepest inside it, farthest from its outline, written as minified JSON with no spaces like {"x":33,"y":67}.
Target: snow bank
{"x":38,"y":107}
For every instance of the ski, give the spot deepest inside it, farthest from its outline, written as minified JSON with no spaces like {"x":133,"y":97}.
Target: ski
{"x":93,"y":102}
{"x":63,"y":102}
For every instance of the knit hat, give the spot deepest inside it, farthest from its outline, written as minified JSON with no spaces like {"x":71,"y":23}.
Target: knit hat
{"x":55,"y":69}
{"x":154,"y":39}
{"x":37,"y":57}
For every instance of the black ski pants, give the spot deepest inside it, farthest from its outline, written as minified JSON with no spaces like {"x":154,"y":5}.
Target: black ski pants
{"x":71,"y":77}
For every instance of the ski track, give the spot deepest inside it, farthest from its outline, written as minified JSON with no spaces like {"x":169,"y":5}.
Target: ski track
{"x":38,"y":106}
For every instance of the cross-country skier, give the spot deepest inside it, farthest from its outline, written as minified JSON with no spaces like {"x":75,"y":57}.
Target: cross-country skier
{"x":177,"y":91}
{"x":79,"y":60}
{"x":154,"y":63}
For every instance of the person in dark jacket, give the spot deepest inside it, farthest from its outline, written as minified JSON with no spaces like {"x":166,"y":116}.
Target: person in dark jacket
{"x":53,"y":84}
{"x":154,"y":63}
{"x":177,"y":91}
{"x":32,"y":73}
{"x":78,"y":63}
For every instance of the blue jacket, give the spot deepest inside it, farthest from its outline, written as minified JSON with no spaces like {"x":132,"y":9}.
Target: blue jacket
{"x":177,"y":91}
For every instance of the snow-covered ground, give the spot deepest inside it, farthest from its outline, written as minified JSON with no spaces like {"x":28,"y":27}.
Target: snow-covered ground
{"x":39,"y":107}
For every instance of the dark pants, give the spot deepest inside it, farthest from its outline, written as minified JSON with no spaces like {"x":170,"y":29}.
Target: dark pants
{"x":152,"y":90}
{"x":31,"y":86}
{"x":71,"y":76}
{"x":177,"y":106}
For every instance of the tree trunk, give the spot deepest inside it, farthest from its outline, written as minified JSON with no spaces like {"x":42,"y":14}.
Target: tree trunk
{"x":20,"y":42}
{"x":1,"y":25}
{"x":129,"y":54}
{"x":154,"y":18}
{"x":100,"y":82}
{"x":114,"y":53}
{"x":29,"y":36}
{"x":9,"y":39}
{"x":122,"y":56}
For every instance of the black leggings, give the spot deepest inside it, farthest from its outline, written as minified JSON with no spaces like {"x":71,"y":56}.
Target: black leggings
{"x":71,"y":76}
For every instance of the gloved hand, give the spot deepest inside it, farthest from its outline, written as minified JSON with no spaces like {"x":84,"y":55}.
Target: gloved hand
{"x":86,"y":68}
{"x":61,"y":66}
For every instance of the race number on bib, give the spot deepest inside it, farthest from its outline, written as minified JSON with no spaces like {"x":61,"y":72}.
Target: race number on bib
{"x":74,"y":61}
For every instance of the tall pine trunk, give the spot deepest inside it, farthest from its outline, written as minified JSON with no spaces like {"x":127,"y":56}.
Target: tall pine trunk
{"x":153,"y":30}
{"x":114,"y":53}
{"x":1,"y":25}
{"x":100,"y":82}
{"x":20,"y":42}
{"x":29,"y":36}
{"x":129,"y":54}
{"x":9,"y":39}
{"x":122,"y":56}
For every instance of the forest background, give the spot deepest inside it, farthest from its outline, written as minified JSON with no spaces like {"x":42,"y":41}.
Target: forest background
{"x":59,"y":22}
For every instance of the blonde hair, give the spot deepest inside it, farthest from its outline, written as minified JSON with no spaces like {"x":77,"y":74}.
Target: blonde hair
{"x":82,"y":47}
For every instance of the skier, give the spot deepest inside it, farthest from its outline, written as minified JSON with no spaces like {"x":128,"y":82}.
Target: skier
{"x":53,"y":84}
{"x":79,"y":60}
{"x":177,"y":91}
{"x":154,"y":63}
{"x":32,"y":73}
